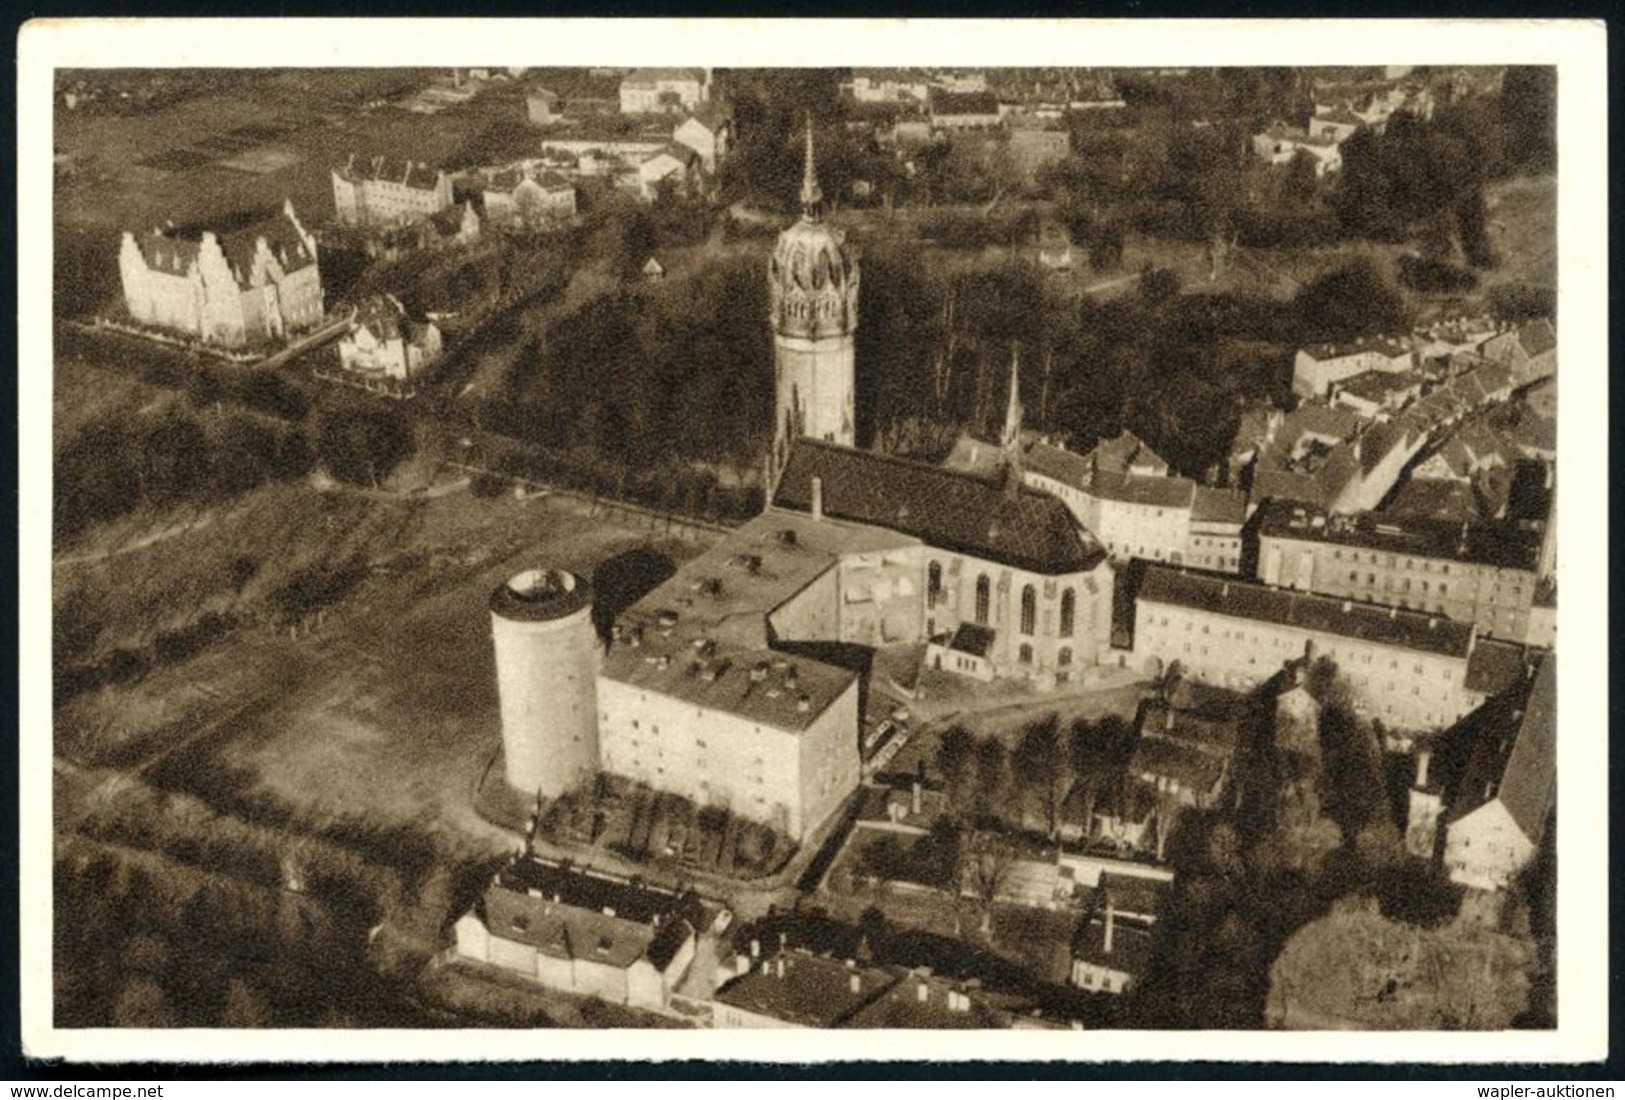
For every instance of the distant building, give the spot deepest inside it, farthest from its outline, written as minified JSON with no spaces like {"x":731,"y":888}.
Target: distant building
{"x":456,"y":225}
{"x":1317,"y":367}
{"x":1500,"y":812}
{"x":964,"y":110}
{"x":1529,"y":350}
{"x":583,"y":932}
{"x":653,"y":270}
{"x":1281,"y":144}
{"x":542,"y":107}
{"x":381,"y":192}
{"x":1377,"y":394}
{"x":887,"y":86}
{"x":707,"y":132}
{"x":518,"y":198}
{"x":382,"y":342}
{"x":662,"y":91}
{"x":1033,"y":148}
{"x":676,"y":165}
{"x":1334,"y":123}
{"x":1217,"y":519}
{"x":232,"y":286}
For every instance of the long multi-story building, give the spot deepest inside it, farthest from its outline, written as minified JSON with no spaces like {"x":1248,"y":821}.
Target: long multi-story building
{"x":1408,"y":669}
{"x":381,"y":192}
{"x":228,"y":285}
{"x":1483,"y":573}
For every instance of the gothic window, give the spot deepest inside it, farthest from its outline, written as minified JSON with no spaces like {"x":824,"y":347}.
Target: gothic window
{"x":933,"y":584}
{"x":1068,"y":612}
{"x":1025,"y":654}
{"x":1029,"y":609}
{"x":983,"y":589}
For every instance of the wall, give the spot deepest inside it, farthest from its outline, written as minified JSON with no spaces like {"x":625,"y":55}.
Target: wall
{"x":1485,"y":848}
{"x":1091,"y":621}
{"x":547,"y":681}
{"x":1407,"y":688}
{"x":881,"y":597}
{"x":818,"y":375}
{"x":720,"y":759}
{"x":1497,"y":600}
{"x":829,"y":765}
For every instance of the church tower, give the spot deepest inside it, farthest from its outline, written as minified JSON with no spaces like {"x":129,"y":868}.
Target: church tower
{"x":813,"y":286}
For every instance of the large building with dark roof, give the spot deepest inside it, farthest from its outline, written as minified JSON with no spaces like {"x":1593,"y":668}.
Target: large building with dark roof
{"x":233,"y":285}
{"x":1410,"y":670}
{"x":999,"y":556}
{"x":1483,"y":573}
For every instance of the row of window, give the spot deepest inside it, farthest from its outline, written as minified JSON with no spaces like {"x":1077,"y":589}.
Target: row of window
{"x":984,"y":599}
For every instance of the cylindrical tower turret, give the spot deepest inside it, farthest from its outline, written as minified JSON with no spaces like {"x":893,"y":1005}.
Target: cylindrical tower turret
{"x":813,"y":288}
{"x":547,"y":680}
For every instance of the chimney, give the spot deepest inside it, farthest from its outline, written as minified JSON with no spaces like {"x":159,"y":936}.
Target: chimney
{"x":1107,"y":945}
{"x":779,"y":970}
{"x":817,"y":499}
{"x":914,"y":803}
{"x":1423,"y":756}
{"x":855,"y":984}
{"x":755,"y":949}
{"x":922,"y":992}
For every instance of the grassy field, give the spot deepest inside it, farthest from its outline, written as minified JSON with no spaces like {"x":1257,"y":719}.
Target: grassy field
{"x":385,"y":712}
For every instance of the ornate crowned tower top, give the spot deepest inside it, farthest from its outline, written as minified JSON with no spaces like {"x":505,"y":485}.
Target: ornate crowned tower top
{"x":813,"y":275}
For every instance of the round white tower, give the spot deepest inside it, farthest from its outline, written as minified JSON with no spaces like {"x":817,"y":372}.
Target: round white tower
{"x":547,"y":680}
{"x":813,"y":284}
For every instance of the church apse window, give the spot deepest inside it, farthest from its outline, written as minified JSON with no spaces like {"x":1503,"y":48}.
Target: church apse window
{"x":983,"y":593}
{"x":1069,"y":605}
{"x":1029,"y":609}
{"x":933,"y":584}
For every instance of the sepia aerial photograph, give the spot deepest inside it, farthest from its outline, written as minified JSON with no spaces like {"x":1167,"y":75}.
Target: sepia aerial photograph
{"x":1044,"y":548}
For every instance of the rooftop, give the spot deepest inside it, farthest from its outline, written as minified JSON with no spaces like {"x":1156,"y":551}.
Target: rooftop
{"x":1515,"y":760}
{"x":805,"y":989}
{"x":704,"y":636}
{"x":1381,"y":345}
{"x":540,"y":595}
{"x":1503,"y":545}
{"x":951,"y":511}
{"x":413,"y":174}
{"x":572,"y":914}
{"x":1228,"y":506}
{"x":1303,"y":611}
{"x":1130,"y":950}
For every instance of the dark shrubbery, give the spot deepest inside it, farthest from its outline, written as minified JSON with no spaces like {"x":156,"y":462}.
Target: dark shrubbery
{"x":1432,"y":276}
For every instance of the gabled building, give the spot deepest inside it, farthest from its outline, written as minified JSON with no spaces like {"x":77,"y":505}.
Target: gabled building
{"x":708,"y":131}
{"x":676,"y":166}
{"x":583,"y":932}
{"x":384,"y":343}
{"x":1318,"y":366}
{"x":380,"y":192}
{"x":232,"y":285}
{"x":518,"y":198}
{"x":663,"y":91}
{"x":1500,"y":812}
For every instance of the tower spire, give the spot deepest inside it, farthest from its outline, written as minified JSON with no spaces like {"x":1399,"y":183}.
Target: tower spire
{"x":1012,"y":425}
{"x":812,"y":198}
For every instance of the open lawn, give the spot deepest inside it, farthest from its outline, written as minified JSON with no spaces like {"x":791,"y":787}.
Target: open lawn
{"x":387,"y":711}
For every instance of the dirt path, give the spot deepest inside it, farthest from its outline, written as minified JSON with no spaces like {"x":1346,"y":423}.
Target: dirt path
{"x":150,"y":539}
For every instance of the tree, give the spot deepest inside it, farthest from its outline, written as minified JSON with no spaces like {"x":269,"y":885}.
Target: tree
{"x":955,"y":758}
{"x":1040,"y":767}
{"x":1348,"y":303}
{"x":986,"y":860}
{"x":1158,"y":284}
{"x":361,"y":445}
{"x":992,"y":767}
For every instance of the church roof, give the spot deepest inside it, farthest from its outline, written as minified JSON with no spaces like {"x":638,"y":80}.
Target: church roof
{"x":952,"y":511}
